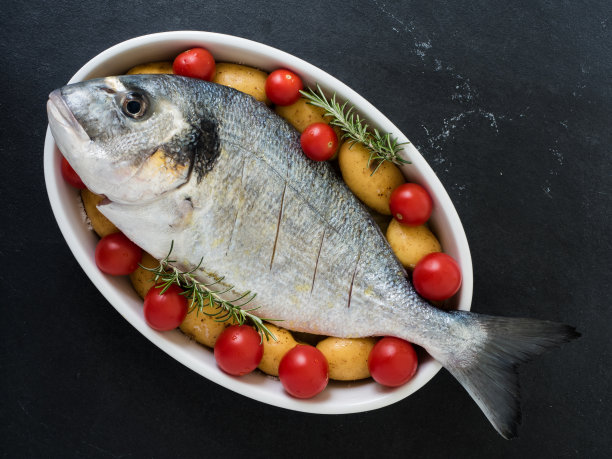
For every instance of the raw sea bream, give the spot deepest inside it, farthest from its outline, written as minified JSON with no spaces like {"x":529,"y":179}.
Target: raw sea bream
{"x":224,"y":177}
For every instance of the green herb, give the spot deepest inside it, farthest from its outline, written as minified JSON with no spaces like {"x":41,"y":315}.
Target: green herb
{"x":382,"y":147}
{"x":202,"y":295}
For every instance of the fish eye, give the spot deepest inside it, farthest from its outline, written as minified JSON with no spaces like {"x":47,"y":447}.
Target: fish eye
{"x":134,"y":105}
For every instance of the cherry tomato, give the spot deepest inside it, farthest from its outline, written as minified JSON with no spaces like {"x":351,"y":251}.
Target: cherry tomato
{"x":283,"y":87}
{"x":304,"y":371}
{"x":165,"y":311}
{"x":117,"y":255}
{"x":392,"y":362}
{"x":319,"y":141}
{"x":410,"y":204}
{"x":70,"y":175}
{"x":238,"y":350}
{"x":436,"y":276}
{"x":195,"y":63}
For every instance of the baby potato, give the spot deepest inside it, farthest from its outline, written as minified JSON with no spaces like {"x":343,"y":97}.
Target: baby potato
{"x":274,"y":351}
{"x":202,"y":327}
{"x":101,"y":225}
{"x":152,"y":68}
{"x":411,"y":243}
{"x":246,"y":79}
{"x":301,"y":114}
{"x":347,"y":357}
{"x":373,"y":189}
{"x":142,"y":280}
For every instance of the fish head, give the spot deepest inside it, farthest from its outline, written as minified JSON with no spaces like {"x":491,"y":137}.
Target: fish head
{"x":131,"y":138}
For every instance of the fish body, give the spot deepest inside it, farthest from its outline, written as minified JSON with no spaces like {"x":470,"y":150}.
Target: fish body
{"x":223,"y":178}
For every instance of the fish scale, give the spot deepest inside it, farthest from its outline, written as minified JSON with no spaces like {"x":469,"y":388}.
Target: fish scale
{"x":271,"y":221}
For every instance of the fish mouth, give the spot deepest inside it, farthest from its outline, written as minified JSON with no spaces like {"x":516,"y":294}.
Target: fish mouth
{"x":60,"y":116}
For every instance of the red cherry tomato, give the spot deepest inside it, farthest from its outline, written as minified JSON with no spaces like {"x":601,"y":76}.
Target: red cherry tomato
{"x":436,"y":276}
{"x":117,"y":255}
{"x":283,"y":87}
{"x":238,"y":350}
{"x":195,"y":63}
{"x":165,"y":311}
{"x":70,"y":175}
{"x":410,"y":204}
{"x":319,"y":141}
{"x":304,"y":371}
{"x":392,"y":362}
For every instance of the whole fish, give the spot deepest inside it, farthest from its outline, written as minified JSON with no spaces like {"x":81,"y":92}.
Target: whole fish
{"x":224,"y":177}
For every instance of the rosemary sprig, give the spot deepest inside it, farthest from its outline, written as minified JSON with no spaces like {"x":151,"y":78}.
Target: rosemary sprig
{"x":203,"y":295}
{"x":382,"y":147}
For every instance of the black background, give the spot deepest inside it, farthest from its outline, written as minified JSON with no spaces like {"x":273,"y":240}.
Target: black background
{"x":510,"y":102}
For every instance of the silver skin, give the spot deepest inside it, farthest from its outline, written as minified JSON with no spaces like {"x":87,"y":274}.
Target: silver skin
{"x":233,"y":186}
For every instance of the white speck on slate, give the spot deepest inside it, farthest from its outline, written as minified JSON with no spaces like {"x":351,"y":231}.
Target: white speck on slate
{"x":459,"y":188}
{"x":458,"y":121}
{"x":557,"y":154}
{"x":383,"y":7}
{"x":421,"y":47}
{"x":491,"y":117}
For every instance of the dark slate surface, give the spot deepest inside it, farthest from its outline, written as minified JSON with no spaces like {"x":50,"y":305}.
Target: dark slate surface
{"x":510,"y":102}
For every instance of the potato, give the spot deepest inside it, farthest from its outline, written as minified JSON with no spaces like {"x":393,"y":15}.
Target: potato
{"x":301,"y":114}
{"x":203,"y":328}
{"x":411,"y":243}
{"x":246,"y":79}
{"x":373,"y":189}
{"x":347,"y":357}
{"x":101,"y":225}
{"x":142,"y":280}
{"x":274,"y":351}
{"x":152,"y":68}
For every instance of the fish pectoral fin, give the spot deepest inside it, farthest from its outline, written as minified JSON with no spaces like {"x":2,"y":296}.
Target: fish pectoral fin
{"x":489,"y":374}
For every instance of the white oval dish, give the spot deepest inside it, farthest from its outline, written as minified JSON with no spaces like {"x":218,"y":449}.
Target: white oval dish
{"x":338,"y":397}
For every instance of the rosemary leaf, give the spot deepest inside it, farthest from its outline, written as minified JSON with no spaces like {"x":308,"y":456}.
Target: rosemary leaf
{"x":382,"y":147}
{"x":201,"y":296}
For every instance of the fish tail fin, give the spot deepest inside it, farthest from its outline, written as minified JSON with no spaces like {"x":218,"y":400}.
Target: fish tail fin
{"x":489,"y":372}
